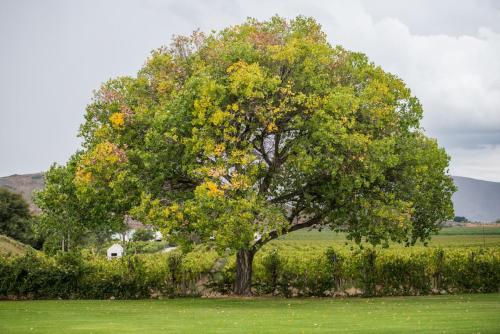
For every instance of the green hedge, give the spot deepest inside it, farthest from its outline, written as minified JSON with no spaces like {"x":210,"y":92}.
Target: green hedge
{"x":70,"y":275}
{"x":284,"y":271}
{"x":289,"y":271}
{"x":313,"y":272}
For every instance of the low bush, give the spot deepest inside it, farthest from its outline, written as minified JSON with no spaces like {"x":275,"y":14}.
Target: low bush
{"x":143,"y":234}
{"x":288,"y":271}
{"x":280,"y":270}
{"x":142,"y":247}
{"x":71,"y":275}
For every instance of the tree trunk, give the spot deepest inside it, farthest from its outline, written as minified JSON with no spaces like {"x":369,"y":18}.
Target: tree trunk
{"x":243,"y":283}
{"x":67,"y":243}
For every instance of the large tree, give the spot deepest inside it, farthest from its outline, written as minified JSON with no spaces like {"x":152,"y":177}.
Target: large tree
{"x":259,"y":130}
{"x":15,"y":217}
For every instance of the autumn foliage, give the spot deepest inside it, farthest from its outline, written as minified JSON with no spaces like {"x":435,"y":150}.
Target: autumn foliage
{"x":260,"y":129}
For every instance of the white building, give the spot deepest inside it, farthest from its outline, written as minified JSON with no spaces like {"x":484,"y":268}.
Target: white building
{"x":115,"y":251}
{"x":158,"y":236}
{"x":131,"y":226}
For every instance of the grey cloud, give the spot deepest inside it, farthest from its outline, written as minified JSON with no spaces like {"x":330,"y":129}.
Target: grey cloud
{"x":431,"y":17}
{"x":469,"y":140}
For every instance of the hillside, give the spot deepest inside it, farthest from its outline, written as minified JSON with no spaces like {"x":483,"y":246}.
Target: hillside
{"x":477,"y":200}
{"x":23,"y":184}
{"x":11,"y":247}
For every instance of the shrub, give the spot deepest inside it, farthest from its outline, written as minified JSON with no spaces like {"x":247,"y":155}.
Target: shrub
{"x":272,"y":266}
{"x":288,"y":271}
{"x":283,"y":270}
{"x":143,"y":234}
{"x":73,"y":275}
{"x":142,"y":247}
{"x":367,"y":270}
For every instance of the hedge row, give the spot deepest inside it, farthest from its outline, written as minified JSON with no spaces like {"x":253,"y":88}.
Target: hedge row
{"x":71,"y":275}
{"x":281,"y":271}
{"x":292,"y":272}
{"x":288,"y":271}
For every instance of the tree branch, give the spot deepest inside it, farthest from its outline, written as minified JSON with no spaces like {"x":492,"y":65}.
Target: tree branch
{"x":261,"y":149}
{"x":274,"y":234}
{"x":286,"y":197}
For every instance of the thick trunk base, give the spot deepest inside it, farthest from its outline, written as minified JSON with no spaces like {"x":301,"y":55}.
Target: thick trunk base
{"x":243,"y":283}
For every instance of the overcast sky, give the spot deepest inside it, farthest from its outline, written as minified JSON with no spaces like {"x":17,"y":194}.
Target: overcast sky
{"x":53,"y":54}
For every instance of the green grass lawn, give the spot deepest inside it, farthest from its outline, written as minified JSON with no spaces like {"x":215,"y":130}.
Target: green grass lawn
{"x":476,"y":230}
{"x":430,"y":314}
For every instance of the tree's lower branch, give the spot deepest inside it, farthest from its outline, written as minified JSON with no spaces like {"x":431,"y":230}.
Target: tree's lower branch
{"x":286,"y":197}
{"x":274,"y":234}
{"x":258,"y":145}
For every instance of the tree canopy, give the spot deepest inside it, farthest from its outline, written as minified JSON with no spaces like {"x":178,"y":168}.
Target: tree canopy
{"x":71,"y":214}
{"x":263,"y":128}
{"x":15,"y":216}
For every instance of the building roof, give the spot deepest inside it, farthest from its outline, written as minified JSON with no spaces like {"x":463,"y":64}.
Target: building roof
{"x":132,"y":223}
{"x":116,"y":247}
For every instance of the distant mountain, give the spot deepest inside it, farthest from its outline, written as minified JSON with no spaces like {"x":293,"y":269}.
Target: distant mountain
{"x":24,"y":184}
{"x":477,"y":200}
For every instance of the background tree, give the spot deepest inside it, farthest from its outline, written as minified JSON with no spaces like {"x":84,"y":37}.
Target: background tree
{"x":69,"y":217}
{"x":143,"y":234}
{"x":460,"y":219}
{"x":259,"y":130}
{"x":15,"y":217}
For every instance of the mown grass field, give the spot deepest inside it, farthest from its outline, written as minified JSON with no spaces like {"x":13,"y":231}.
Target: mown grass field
{"x":431,"y":314}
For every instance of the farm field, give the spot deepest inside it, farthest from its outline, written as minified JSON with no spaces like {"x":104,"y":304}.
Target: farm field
{"x":431,"y":314}
{"x":447,"y":237}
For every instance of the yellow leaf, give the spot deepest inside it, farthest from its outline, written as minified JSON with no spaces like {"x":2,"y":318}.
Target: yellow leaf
{"x":117,"y":120}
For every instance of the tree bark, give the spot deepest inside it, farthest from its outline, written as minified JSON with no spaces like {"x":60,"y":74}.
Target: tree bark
{"x":67,"y":243}
{"x":244,"y":257}
{"x":243,"y":283}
